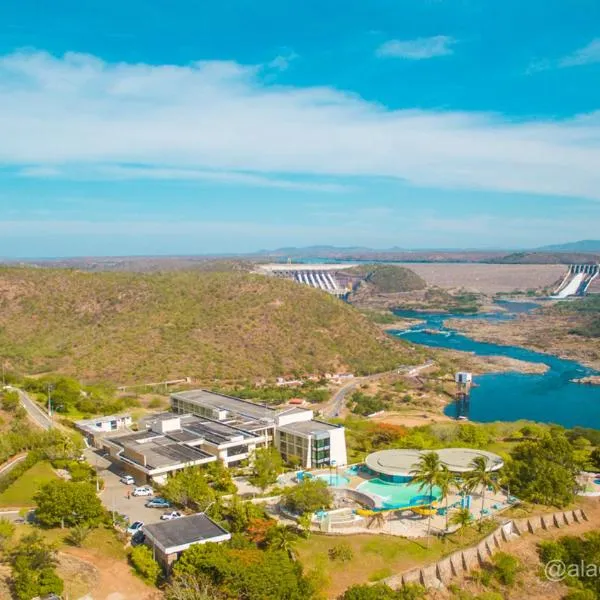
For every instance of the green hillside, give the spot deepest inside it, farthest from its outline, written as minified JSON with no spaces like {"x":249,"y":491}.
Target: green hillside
{"x":132,"y":327}
{"x":389,"y":279}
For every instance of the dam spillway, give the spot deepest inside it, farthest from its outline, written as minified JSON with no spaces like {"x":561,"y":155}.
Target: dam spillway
{"x":577,"y":281}
{"x":327,"y":277}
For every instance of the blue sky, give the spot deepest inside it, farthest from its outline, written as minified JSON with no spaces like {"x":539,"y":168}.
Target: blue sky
{"x":194,"y":127}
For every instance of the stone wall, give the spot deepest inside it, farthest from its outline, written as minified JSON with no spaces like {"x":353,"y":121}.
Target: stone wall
{"x":462,"y":562}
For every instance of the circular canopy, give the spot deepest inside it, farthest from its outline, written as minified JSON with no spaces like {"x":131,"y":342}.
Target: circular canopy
{"x":405,"y":462}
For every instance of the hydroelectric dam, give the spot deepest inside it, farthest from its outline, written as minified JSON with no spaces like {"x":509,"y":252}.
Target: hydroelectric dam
{"x":577,"y":281}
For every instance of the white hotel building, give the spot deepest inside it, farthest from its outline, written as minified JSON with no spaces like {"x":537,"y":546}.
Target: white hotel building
{"x":293,"y":431}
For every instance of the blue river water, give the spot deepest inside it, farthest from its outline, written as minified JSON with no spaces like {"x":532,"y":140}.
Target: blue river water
{"x":550,"y":398}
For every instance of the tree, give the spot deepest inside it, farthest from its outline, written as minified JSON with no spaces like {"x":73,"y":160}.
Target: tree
{"x":78,"y":535}
{"x":426,"y":475}
{"x":544,"y":470}
{"x":259,"y":530}
{"x":7,"y":530}
{"x":219,"y":477}
{"x":463,"y":518}
{"x":282,"y":538}
{"x":189,"y":488}
{"x":480,"y":476}
{"x":595,"y":458}
{"x":10,"y":401}
{"x":381,"y":591}
{"x":308,"y":496}
{"x":304,"y":523}
{"x":143,"y":562}
{"x":68,"y":503}
{"x":247,"y":573}
{"x":33,"y":563}
{"x":445,"y":480}
{"x":267,"y":465}
{"x":190,"y":587}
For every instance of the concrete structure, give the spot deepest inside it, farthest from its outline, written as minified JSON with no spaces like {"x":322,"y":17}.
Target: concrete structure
{"x":95,"y":429}
{"x":399,"y":465}
{"x":169,"y":539}
{"x":171,"y":442}
{"x":293,"y":430}
{"x":326,"y":277}
{"x":577,"y":281}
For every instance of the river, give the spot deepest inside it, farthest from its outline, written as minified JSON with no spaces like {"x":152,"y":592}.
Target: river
{"x":549,"y":398}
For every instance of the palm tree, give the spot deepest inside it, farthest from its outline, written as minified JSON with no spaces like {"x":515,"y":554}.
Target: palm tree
{"x":283,"y":538}
{"x":426,"y":475}
{"x":445,"y":480}
{"x":377,"y":519}
{"x":462,"y":517}
{"x":480,"y":476}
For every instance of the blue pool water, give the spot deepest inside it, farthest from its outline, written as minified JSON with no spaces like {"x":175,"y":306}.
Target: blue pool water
{"x":551,"y":397}
{"x":398,"y":495}
{"x":334,"y":480}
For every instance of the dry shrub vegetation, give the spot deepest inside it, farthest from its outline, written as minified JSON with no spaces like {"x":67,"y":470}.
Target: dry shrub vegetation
{"x":131,"y":327}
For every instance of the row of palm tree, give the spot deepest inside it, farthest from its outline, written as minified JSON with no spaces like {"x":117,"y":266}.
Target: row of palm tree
{"x":431,"y":472}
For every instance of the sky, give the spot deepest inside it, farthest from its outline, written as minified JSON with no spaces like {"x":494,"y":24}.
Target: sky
{"x":195,"y":127}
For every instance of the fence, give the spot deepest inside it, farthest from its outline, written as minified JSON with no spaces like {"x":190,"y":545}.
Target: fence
{"x":439,"y":574}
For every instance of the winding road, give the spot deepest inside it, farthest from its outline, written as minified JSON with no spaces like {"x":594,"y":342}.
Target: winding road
{"x":34,"y":412}
{"x":336,"y":404}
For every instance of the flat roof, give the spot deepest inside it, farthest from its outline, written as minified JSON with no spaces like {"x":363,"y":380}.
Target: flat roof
{"x":404,"y":462}
{"x":308,"y":427}
{"x":229,"y":403}
{"x":185,"y":531}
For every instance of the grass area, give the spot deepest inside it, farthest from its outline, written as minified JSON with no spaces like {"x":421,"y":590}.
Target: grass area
{"x":21,"y":492}
{"x":377,"y":556}
{"x":132,"y":327}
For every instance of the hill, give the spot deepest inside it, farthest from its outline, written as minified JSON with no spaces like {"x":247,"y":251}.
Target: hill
{"x":388,"y":279}
{"x":136,"y":327}
{"x":581,"y":246}
{"x":545,"y":258}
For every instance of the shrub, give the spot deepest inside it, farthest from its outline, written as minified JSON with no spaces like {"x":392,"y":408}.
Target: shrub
{"x":309,"y":496}
{"x":144,"y":564}
{"x":341,"y":553}
{"x":506,"y":568}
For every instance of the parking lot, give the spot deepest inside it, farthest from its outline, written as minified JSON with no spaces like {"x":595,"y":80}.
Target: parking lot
{"x":114,"y":496}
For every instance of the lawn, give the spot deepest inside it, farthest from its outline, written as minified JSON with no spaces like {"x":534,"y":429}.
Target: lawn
{"x":376,"y":556}
{"x":21,"y":492}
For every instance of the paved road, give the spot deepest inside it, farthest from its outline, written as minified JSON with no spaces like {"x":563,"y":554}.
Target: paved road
{"x":34,"y":412}
{"x":336,"y":404}
{"x":114,"y":494}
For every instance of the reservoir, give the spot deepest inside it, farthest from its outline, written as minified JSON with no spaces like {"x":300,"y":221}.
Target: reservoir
{"x":548,"y":398}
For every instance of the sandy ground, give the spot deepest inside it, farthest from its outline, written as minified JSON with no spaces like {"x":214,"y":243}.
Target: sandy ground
{"x":488,"y":279}
{"x":411,"y":419}
{"x":113,"y":579}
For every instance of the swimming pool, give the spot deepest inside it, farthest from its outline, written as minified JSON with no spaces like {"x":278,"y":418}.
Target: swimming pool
{"x":398,"y":495}
{"x":334,"y":480}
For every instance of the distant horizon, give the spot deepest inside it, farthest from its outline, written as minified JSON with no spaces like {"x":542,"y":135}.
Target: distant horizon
{"x":304,"y":249}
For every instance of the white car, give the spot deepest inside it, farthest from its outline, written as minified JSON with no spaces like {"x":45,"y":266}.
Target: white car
{"x":169,"y":516}
{"x":127,"y":480}
{"x":135,"y":527}
{"x":143,"y":491}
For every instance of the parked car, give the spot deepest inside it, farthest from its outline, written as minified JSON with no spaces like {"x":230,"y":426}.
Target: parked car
{"x":127,"y":480}
{"x":143,"y":491}
{"x":135,"y":527}
{"x":158,"y":503}
{"x":138,"y":538}
{"x":169,"y":516}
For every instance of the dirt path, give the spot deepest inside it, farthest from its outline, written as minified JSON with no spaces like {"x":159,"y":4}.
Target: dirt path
{"x":115,"y":581}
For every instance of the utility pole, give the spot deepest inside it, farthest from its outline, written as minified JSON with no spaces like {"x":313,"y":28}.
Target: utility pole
{"x":50,"y":388}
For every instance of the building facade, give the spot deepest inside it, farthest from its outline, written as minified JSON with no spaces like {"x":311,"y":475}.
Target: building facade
{"x":294,"y":431}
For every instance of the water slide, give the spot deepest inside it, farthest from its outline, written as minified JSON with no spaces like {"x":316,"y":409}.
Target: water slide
{"x":571,"y":288}
{"x":419,"y":509}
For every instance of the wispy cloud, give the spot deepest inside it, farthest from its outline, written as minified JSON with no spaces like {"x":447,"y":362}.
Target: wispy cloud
{"x":417,"y":49}
{"x":584,"y":56}
{"x":587,"y":55}
{"x":78,"y":116}
{"x":282,"y":61}
{"x":124,"y":172}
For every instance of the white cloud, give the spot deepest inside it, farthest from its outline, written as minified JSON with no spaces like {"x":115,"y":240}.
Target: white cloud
{"x":222,"y":121}
{"x":418,"y":49}
{"x":282,"y":62}
{"x":584,"y":56}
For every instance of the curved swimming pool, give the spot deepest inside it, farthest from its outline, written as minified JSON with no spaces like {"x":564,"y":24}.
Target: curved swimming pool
{"x":334,"y":480}
{"x":398,"y":495}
